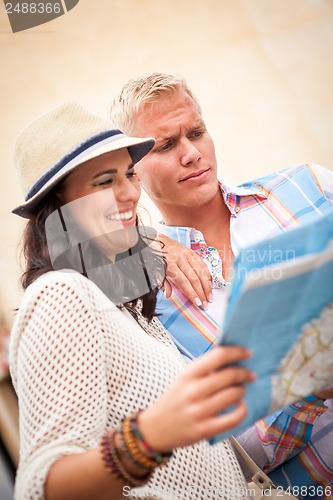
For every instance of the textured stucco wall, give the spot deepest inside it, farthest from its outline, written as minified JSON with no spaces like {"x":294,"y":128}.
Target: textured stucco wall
{"x":262,"y":69}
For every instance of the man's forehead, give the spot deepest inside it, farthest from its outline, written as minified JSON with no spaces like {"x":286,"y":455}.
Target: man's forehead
{"x":171,"y":131}
{"x":163,"y":117}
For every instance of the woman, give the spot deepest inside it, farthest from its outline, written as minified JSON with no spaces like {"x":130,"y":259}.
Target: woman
{"x":108,"y":407}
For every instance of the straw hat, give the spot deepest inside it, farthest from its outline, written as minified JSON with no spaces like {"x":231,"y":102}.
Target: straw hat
{"x":57,"y":142}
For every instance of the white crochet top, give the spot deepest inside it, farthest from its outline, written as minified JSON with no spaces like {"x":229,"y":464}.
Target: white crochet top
{"x":80,"y":364}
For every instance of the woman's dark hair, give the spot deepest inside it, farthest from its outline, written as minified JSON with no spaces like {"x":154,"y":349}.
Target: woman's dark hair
{"x":35,"y":249}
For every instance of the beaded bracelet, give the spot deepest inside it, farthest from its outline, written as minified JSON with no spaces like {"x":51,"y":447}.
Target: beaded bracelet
{"x":133,"y":448}
{"x":123,"y":451}
{"x":107,"y":456}
{"x":132,"y":437}
{"x":113,"y":463}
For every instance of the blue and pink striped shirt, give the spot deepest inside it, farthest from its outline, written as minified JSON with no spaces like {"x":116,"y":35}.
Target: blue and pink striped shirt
{"x":300,"y":438}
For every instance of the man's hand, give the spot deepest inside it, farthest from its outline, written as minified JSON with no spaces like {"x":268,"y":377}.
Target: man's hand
{"x":186,"y":269}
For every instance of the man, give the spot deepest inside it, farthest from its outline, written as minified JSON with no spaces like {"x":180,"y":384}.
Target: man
{"x":215,"y":221}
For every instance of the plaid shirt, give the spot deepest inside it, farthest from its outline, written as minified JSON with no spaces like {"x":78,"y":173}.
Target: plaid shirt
{"x":260,"y":209}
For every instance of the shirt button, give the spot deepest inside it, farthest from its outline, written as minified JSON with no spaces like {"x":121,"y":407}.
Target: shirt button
{"x":237,"y":210}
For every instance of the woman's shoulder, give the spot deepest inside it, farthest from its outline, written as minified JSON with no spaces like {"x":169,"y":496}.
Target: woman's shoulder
{"x":58,"y":279}
{"x":67,"y":284}
{"x":52,"y":280}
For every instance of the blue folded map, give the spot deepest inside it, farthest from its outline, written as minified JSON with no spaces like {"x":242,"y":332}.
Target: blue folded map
{"x":281,"y":307}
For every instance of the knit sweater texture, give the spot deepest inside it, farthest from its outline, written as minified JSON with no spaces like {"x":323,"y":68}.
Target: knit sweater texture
{"x":79,"y":364}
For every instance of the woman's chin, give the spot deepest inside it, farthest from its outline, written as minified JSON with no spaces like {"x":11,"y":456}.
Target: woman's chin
{"x":119,"y":241}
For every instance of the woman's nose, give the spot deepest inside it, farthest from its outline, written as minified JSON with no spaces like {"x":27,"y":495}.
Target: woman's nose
{"x":127,"y":190}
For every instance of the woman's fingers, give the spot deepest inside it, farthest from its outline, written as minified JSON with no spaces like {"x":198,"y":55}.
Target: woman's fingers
{"x":215,"y":359}
{"x":205,"y":400}
{"x":218,"y":403}
{"x":220,"y":379}
{"x":224,"y":422}
{"x":186,"y":269}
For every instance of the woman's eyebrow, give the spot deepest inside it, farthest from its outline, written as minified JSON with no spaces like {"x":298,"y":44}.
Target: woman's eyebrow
{"x":112,"y":171}
{"x":103,"y":172}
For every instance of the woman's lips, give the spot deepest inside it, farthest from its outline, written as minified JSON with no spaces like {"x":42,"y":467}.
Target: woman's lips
{"x":125,"y":217}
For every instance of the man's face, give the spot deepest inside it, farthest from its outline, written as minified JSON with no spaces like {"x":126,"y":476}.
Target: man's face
{"x":180,"y":171}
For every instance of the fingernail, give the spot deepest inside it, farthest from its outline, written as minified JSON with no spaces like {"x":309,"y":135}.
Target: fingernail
{"x":198,"y":301}
{"x":210,"y":297}
{"x":205,"y":306}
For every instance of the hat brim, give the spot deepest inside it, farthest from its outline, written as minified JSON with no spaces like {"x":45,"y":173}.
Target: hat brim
{"x":136,"y":146}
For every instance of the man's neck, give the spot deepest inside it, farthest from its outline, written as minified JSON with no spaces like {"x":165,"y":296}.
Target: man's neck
{"x":212,"y":220}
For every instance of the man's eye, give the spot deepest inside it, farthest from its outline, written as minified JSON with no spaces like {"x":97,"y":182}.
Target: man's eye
{"x":165,"y":147}
{"x":197,"y":133}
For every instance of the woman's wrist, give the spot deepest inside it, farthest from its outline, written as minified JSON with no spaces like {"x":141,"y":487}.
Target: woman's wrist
{"x":153,"y":453}
{"x":127,"y":454}
{"x":150,"y":432}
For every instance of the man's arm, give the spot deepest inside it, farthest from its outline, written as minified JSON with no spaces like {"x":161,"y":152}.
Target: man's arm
{"x":283,"y":435}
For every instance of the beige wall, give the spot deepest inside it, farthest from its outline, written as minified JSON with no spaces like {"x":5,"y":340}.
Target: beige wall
{"x":262,"y":69}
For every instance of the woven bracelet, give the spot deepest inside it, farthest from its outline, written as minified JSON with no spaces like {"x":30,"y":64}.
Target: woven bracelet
{"x":158,"y":457}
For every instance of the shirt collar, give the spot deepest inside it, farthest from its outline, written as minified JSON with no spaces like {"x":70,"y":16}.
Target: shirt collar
{"x":232,"y":196}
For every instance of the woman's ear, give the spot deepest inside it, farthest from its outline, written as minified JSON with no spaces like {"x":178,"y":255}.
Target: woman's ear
{"x":59,"y":194}
{"x":59,"y":191}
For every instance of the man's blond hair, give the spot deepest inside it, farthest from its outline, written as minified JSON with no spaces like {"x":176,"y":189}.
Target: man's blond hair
{"x":126,"y":105}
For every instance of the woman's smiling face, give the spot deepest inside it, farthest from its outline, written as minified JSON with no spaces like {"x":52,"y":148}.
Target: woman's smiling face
{"x":102,"y":195}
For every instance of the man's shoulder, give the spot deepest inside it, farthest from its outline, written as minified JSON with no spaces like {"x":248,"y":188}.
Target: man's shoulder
{"x":295,"y":175}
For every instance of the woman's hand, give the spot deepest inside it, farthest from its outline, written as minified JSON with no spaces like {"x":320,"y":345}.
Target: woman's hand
{"x":190,"y":410}
{"x":325,"y":394}
{"x":187,"y":270}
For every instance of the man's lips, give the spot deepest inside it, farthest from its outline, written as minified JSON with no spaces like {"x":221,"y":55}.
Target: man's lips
{"x":193,"y":175}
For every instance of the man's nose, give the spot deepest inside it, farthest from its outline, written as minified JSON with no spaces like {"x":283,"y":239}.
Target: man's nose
{"x":190,"y":153}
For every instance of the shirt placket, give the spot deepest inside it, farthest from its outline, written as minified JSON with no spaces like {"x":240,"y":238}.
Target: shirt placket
{"x":211,"y":257}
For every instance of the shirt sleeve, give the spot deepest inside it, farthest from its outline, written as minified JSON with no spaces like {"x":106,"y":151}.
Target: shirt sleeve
{"x":325,"y":177}
{"x":281,"y":436}
{"x":61,"y":382}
